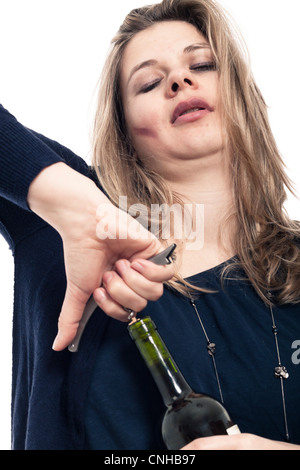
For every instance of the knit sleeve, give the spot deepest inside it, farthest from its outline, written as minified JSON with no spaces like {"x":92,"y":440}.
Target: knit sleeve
{"x":23,"y":154}
{"x":22,"y":157}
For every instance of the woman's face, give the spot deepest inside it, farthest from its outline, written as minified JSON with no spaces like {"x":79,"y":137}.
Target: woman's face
{"x":170,"y":95}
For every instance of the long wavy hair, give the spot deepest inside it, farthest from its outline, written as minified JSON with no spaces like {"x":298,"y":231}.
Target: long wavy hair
{"x":267,"y":240}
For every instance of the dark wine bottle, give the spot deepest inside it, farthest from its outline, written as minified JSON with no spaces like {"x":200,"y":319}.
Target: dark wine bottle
{"x":189,"y":415}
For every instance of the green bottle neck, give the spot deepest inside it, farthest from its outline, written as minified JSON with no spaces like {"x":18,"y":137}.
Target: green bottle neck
{"x":165,"y":372}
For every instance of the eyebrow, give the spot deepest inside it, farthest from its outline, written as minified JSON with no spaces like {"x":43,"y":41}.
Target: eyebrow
{"x":151,"y":62}
{"x":195,"y":47}
{"x":142,"y":65}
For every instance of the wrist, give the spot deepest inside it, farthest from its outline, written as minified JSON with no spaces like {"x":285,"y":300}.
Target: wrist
{"x":66,"y":199}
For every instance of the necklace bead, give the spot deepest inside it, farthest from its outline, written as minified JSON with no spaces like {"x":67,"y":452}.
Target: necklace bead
{"x":281,"y":372}
{"x":211,"y":348}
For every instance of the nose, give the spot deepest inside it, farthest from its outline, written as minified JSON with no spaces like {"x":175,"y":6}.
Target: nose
{"x":175,"y":85}
{"x":178,"y":81}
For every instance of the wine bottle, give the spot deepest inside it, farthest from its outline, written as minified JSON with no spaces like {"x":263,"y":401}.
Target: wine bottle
{"x":189,"y":415}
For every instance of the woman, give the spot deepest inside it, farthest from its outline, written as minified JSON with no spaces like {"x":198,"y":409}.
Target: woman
{"x":182,"y":121}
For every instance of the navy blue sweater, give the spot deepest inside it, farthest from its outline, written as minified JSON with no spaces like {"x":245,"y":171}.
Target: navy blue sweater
{"x":103,"y":397}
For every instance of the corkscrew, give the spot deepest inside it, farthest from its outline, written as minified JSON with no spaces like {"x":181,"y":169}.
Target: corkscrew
{"x":164,"y":257}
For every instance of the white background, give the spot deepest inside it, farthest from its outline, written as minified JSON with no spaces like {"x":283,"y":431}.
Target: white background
{"x":51,"y":55}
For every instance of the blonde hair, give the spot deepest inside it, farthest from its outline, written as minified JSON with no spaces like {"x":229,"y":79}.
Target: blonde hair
{"x":266,"y":239}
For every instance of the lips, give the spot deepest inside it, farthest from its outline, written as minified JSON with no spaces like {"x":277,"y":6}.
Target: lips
{"x":189,"y":107}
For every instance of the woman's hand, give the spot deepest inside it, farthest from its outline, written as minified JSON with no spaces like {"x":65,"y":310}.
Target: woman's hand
{"x":103,"y":246}
{"x":238,"y":442}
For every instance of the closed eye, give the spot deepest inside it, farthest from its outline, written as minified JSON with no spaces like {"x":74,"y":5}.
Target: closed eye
{"x":203,"y":67}
{"x":150,"y":86}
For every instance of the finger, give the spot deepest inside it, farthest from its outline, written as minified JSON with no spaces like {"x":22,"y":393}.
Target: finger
{"x":149,"y":290}
{"x":210,"y":443}
{"x":234,"y":442}
{"x":72,"y":309}
{"x":141,"y":249}
{"x":121,"y":293}
{"x":109,"y":306}
{"x":152,"y":271}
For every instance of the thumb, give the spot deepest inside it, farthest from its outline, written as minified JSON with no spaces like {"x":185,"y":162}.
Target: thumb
{"x":72,"y":310}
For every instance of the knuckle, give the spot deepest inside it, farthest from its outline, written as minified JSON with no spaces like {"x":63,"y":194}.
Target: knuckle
{"x":140,"y":304}
{"x":115,"y":311}
{"x":157,"y":292}
{"x":68,"y":324}
{"x":169,"y":272}
{"x":113,"y":285}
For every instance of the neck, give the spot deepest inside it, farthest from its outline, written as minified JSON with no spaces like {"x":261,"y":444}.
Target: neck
{"x":201,"y":180}
{"x":207,"y":183}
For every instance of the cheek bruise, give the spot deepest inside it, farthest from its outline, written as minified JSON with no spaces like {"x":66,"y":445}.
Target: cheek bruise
{"x":144,"y":132}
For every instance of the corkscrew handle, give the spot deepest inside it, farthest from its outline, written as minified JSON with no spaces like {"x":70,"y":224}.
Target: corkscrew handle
{"x":164,"y":257}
